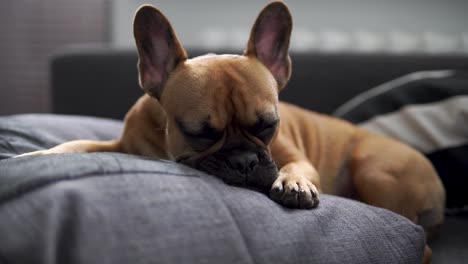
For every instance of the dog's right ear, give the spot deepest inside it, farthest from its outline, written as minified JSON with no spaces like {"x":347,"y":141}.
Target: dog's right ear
{"x":159,"y":50}
{"x":269,"y":41}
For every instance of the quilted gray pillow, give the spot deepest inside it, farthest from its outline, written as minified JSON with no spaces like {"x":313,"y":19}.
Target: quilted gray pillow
{"x":118,"y":208}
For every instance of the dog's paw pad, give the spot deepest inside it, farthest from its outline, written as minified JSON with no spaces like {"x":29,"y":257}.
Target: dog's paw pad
{"x":295,"y":193}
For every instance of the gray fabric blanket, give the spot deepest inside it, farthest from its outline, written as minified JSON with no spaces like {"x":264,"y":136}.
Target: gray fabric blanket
{"x":118,"y":208}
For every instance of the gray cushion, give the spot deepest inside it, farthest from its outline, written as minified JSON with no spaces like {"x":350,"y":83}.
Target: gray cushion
{"x":118,"y":208}
{"x":25,"y":133}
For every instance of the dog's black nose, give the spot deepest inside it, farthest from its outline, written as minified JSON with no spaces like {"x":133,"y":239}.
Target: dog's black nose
{"x":244,"y":163}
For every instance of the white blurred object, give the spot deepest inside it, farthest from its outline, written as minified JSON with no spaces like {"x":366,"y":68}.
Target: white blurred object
{"x":401,"y":42}
{"x":237,"y":38}
{"x":464,"y":42}
{"x":366,"y":41}
{"x":214,"y":38}
{"x":334,"y":41}
{"x":441,"y":43}
{"x":304,"y":40}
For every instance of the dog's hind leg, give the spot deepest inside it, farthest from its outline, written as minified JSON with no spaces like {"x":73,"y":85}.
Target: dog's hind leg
{"x":403,"y":181}
{"x":427,"y":257}
{"x":79,"y":146}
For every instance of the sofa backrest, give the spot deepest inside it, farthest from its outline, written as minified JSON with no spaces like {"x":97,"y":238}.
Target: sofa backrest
{"x":102,"y":81}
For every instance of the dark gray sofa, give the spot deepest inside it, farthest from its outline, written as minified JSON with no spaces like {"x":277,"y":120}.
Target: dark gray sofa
{"x":115,"y":208}
{"x":84,"y":76}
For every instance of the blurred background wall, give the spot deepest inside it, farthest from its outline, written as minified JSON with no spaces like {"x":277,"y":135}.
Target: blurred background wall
{"x":326,"y":25}
{"x":32,"y":31}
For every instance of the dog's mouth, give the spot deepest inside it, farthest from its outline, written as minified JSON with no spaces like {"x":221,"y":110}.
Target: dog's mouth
{"x":262,"y":175}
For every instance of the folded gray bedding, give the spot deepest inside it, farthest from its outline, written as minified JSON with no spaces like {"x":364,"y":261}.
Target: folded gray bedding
{"x":118,"y":208}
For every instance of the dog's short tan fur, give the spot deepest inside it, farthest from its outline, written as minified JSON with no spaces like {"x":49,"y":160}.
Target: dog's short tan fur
{"x":314,"y":153}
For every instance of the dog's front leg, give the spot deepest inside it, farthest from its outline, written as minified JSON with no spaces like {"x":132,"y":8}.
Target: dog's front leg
{"x":298,"y":182}
{"x":78,"y":146}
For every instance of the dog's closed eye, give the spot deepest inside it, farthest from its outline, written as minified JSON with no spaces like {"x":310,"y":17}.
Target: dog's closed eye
{"x":207,"y":135}
{"x":264,"y":128}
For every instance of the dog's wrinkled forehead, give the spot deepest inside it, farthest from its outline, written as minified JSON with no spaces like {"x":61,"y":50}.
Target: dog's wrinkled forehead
{"x":221,"y":89}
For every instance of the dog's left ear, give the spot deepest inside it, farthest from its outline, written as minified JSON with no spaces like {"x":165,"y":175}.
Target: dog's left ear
{"x":269,"y":41}
{"x":159,"y":50}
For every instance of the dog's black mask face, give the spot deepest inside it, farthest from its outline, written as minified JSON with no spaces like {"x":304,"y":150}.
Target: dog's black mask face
{"x":239,"y":165}
{"x":238,"y":154}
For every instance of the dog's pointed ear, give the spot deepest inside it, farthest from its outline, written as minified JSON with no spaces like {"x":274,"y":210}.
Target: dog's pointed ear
{"x":269,"y":41}
{"x":159,"y":50}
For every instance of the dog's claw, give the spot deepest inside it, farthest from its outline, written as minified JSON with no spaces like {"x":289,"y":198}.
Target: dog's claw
{"x":277,"y":189}
{"x":314,"y":193}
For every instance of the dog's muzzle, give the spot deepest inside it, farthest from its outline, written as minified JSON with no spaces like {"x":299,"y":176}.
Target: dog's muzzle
{"x":244,"y":167}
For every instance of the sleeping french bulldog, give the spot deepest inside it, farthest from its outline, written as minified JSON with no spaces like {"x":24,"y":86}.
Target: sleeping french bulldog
{"x":221,"y":114}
